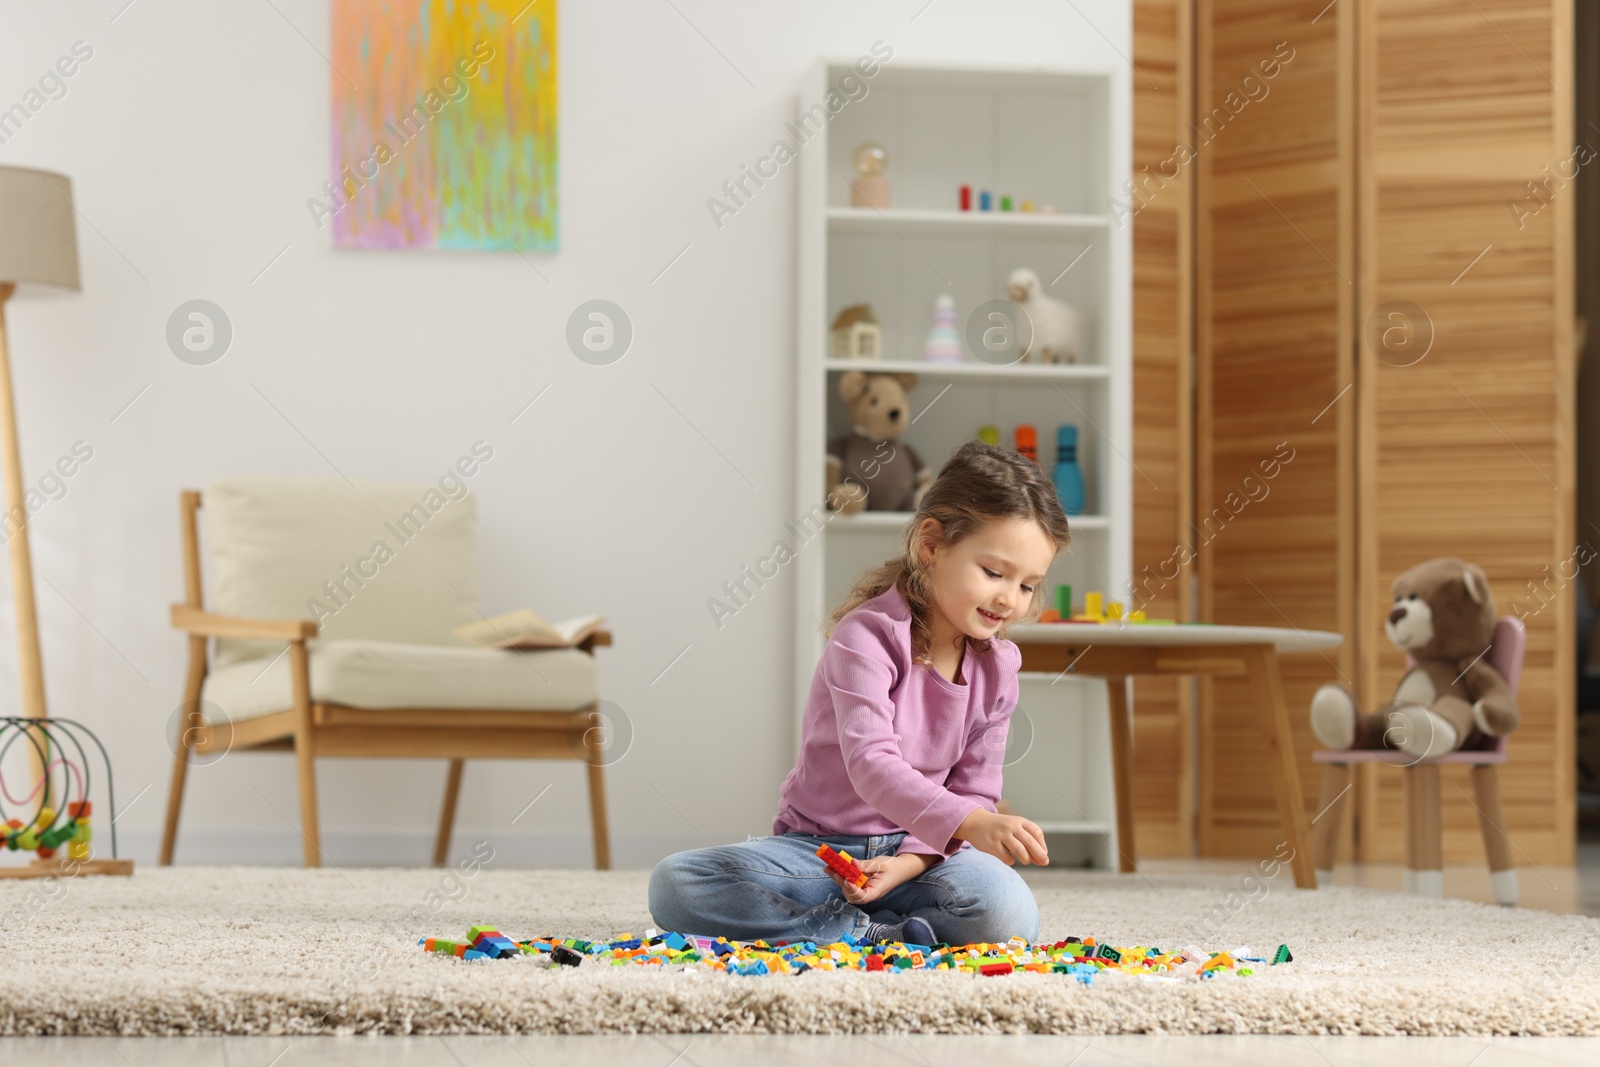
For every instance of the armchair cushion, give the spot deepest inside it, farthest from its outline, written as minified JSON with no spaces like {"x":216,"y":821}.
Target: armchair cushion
{"x":376,"y":562}
{"x":385,"y":674}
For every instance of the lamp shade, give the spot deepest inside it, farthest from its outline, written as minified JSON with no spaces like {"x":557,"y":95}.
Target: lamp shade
{"x":38,"y":241}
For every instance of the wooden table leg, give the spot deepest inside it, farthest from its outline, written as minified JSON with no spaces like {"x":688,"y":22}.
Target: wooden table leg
{"x":1262,"y":663}
{"x":1122,"y":771}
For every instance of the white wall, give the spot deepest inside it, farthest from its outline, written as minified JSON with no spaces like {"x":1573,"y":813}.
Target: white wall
{"x":194,"y":135}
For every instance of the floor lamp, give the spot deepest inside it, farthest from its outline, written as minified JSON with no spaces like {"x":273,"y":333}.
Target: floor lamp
{"x":38,"y":254}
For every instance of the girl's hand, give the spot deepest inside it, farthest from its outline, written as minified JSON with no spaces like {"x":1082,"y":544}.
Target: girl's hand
{"x":1007,"y":837}
{"x":883,"y":874}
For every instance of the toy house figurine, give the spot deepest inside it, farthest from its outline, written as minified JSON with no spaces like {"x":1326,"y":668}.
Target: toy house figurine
{"x":856,"y":334}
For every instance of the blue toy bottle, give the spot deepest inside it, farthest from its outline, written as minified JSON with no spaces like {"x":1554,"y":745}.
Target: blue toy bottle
{"x":1069,"y":479}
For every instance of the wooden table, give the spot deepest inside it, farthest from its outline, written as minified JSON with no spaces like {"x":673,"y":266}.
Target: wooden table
{"x":1118,"y":651}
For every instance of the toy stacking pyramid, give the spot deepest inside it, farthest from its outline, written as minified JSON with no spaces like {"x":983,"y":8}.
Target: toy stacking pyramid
{"x":944,"y":343}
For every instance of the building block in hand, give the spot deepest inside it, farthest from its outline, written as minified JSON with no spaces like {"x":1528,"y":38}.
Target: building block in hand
{"x":843,"y":865}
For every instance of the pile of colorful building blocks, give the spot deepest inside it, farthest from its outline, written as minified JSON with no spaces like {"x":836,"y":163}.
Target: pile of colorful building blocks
{"x":1082,"y":958}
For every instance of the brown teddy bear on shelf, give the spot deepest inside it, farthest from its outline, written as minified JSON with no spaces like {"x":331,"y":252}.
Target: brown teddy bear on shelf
{"x":1444,"y":617}
{"x":870,"y":467}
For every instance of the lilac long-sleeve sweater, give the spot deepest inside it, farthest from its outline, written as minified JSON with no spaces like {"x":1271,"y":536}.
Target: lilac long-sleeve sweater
{"x":888,"y":745}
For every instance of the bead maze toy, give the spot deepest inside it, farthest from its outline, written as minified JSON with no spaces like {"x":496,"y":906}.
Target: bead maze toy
{"x":843,"y":865}
{"x":1082,"y":958}
{"x":53,"y":742}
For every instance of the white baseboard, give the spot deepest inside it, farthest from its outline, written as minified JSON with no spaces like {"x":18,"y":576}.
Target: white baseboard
{"x":394,"y":848}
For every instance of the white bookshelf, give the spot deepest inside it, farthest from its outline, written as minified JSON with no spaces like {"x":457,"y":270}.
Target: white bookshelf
{"x":1058,"y":137}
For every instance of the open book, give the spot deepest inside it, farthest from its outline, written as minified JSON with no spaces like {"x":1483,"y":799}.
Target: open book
{"x":523,"y":629}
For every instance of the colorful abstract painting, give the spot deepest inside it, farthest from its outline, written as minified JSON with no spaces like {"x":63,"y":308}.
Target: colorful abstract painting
{"x":443,"y":125}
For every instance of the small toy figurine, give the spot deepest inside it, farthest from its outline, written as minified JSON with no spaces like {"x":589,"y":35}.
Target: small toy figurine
{"x":870,"y":188}
{"x":966,"y":198}
{"x":1005,"y":203}
{"x":985,"y":201}
{"x":1057,"y":327}
{"x":843,"y":865}
{"x":1027,"y":206}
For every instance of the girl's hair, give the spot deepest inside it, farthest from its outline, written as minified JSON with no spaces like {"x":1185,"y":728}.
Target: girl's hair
{"x":978,"y":484}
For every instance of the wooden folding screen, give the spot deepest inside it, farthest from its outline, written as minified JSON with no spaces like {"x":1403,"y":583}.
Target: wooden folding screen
{"x":1468,"y":449}
{"x":1383,"y":306}
{"x":1160,"y":210}
{"x":1275,"y":298}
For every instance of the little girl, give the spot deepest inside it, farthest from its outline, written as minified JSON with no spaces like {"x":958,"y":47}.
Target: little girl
{"x":903,"y":741}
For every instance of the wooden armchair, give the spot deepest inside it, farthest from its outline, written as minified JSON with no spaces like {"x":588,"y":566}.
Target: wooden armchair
{"x":383,"y":675}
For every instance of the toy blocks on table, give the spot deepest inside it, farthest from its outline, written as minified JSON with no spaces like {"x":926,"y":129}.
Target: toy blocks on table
{"x":842,"y":864}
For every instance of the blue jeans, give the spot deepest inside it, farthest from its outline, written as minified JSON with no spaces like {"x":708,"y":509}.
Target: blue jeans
{"x":776,"y":888}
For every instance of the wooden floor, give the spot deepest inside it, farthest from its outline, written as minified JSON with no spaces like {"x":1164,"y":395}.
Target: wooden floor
{"x":913,"y":1050}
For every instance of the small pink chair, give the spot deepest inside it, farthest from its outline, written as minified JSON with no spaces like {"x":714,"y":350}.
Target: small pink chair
{"x":1424,"y":839}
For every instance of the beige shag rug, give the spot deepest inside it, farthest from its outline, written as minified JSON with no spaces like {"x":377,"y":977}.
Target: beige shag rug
{"x":244,"y":950}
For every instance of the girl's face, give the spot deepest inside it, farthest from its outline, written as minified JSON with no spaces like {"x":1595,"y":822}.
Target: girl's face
{"x":988,"y":579}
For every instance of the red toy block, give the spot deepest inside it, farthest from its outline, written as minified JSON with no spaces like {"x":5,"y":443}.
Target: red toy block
{"x":846,"y":867}
{"x":995,"y":968}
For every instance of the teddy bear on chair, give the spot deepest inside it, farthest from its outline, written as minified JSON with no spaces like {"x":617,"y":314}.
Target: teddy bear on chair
{"x":1443,"y":616}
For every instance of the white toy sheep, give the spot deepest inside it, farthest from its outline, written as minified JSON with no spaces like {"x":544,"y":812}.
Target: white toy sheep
{"x":1056,"y":326}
